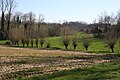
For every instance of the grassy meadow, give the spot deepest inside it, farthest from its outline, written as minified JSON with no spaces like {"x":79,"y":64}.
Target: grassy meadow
{"x":105,"y":71}
{"x":96,"y":45}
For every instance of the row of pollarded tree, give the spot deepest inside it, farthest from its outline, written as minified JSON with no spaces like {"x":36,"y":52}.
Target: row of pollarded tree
{"x":28,"y":35}
{"x":110,"y":36}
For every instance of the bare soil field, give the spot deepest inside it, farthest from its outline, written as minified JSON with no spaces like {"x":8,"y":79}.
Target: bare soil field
{"x":25,"y":62}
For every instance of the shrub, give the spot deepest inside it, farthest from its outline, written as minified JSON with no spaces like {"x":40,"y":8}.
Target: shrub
{"x":48,"y":44}
{"x":7,"y":43}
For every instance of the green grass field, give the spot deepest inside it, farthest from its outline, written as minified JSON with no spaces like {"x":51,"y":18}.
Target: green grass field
{"x":105,"y":71}
{"x":96,"y":45}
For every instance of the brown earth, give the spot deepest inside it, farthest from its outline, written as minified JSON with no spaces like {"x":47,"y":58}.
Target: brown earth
{"x":26,"y":62}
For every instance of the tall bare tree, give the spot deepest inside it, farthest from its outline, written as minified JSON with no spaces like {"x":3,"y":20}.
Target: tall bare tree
{"x":42,"y":30}
{"x":3,"y":8}
{"x":11,"y":6}
{"x":66,"y":32}
{"x":31,"y":18}
{"x":41,"y":19}
{"x":86,"y":43}
{"x":16,"y":19}
{"x":42,"y":34}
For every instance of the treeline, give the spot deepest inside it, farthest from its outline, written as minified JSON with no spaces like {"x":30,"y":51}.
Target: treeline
{"x":107,"y":26}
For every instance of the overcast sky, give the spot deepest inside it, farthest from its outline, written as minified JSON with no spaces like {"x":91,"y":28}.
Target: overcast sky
{"x":68,"y":10}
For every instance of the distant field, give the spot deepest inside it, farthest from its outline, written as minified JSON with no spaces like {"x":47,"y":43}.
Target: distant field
{"x":106,"y":71}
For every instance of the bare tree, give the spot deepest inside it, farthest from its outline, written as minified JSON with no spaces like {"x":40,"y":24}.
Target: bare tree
{"x":111,"y":44}
{"x":86,"y":43}
{"x":24,"y":18}
{"x":32,"y":42}
{"x":111,"y":38}
{"x":41,"y":19}
{"x":16,"y":19}
{"x":66,"y":41}
{"x":43,"y":33}
{"x":118,"y":24}
{"x":15,"y":35}
{"x":75,"y":42}
{"x":66,"y":32}
{"x":10,"y":8}
{"x":32,"y":35}
{"x":31,"y":18}
{"x":36,"y":42}
{"x":75,"y":38}
{"x":3,"y":7}
{"x":42,"y":30}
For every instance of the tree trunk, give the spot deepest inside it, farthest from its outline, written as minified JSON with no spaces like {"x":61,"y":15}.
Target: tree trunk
{"x":41,"y":44}
{"x":112,"y":50}
{"x":23,"y":44}
{"x":66,"y":46}
{"x":31,"y":43}
{"x":8,"y":26}
{"x":86,"y":48}
{"x":36,"y":42}
{"x":2,"y":33}
{"x":75,"y":47}
{"x":2,"y":21}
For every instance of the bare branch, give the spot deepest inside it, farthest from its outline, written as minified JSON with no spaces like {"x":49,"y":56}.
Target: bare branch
{"x":41,"y":18}
{"x":11,"y":5}
{"x":3,"y":5}
{"x":0,"y":4}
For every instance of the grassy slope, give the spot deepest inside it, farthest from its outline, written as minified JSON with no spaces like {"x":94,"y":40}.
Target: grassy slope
{"x":104,"y":71}
{"x":97,"y":45}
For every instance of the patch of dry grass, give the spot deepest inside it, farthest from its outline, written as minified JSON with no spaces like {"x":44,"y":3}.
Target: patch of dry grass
{"x":11,"y":51}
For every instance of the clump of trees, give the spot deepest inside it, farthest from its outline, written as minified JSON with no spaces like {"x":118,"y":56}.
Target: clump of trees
{"x":6,"y":9}
{"x":27,"y":31}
